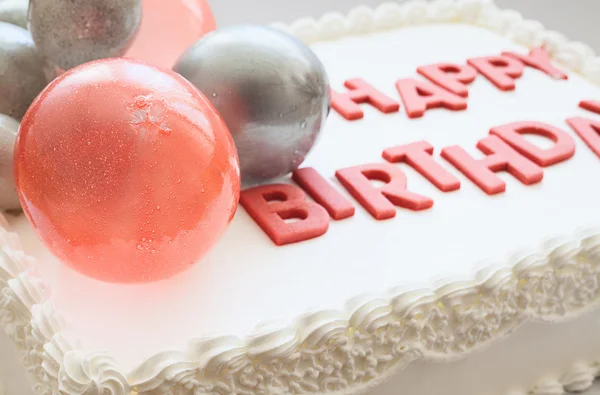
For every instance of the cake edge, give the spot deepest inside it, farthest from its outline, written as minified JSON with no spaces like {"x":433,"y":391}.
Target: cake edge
{"x":334,"y":351}
{"x":578,"y":378}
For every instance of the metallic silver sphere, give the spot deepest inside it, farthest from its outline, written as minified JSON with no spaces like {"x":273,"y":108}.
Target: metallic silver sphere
{"x":72,"y":32}
{"x":21,"y":70}
{"x":271,"y":90}
{"x":9,"y":200}
{"x":14,"y":12}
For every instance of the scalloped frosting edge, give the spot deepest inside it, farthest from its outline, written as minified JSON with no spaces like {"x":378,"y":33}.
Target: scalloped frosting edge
{"x":579,"y":378}
{"x":375,"y":336}
{"x":574,"y":55}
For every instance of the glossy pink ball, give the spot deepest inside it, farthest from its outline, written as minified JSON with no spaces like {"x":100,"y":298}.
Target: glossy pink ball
{"x":168,"y":28}
{"x":126,"y":171}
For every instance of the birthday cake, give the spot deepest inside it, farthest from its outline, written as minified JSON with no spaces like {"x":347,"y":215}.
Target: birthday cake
{"x":440,"y":236}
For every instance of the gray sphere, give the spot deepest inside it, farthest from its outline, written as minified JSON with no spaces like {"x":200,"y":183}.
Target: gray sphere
{"x":14,"y":12}
{"x":9,"y":200}
{"x":21,"y":71}
{"x":271,"y":90}
{"x":72,"y":32}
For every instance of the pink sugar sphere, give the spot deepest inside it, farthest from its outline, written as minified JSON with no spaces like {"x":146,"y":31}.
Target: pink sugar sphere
{"x":168,"y":28}
{"x":126,"y":171}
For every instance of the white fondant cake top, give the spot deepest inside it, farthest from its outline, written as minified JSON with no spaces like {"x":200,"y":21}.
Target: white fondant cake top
{"x":247,"y":280}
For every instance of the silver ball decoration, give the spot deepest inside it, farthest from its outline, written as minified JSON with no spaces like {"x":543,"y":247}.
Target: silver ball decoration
{"x":271,"y":90}
{"x":9,"y":199}
{"x":21,"y":71}
{"x":14,"y":12}
{"x":72,"y":32}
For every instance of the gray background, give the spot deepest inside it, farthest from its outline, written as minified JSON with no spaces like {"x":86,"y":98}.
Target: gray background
{"x":577,"y":19}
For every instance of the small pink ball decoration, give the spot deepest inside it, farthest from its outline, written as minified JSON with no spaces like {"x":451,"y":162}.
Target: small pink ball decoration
{"x":126,"y":171}
{"x":168,"y":28}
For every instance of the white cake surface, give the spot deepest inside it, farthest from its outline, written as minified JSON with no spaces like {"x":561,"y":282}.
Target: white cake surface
{"x":364,"y":274}
{"x":247,"y":279}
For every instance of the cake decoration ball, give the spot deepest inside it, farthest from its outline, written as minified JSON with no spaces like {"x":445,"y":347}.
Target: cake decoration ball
{"x":271,"y":90}
{"x":22,"y":75}
{"x":9,"y":200}
{"x":168,"y":28}
{"x":126,"y":171}
{"x":14,"y":11}
{"x":72,"y":32}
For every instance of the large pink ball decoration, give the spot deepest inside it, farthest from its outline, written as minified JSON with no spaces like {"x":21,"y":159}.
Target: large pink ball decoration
{"x":126,"y":171}
{"x":168,"y":28}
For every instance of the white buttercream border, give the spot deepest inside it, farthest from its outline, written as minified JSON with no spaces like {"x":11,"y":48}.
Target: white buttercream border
{"x":579,"y":378}
{"x":375,"y":336}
